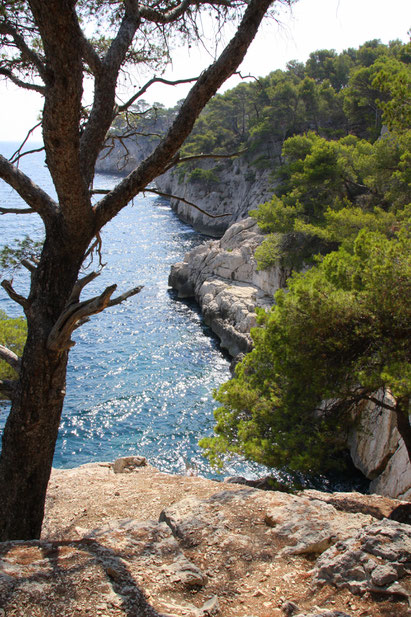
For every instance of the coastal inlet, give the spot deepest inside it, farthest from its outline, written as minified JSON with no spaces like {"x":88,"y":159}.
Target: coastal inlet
{"x":141,"y":374}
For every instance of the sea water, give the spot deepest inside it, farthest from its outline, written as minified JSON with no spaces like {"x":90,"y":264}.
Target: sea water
{"x":141,"y":374}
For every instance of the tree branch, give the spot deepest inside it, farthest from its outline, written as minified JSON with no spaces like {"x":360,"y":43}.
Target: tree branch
{"x":79,"y":286}
{"x":167,"y":17}
{"x":10,"y":357}
{"x":57,"y":25}
{"x":17,"y":154}
{"x":7,"y":286}
{"x":33,"y":195}
{"x":16,"y":210}
{"x":26,"y":51}
{"x":78,"y":313}
{"x":101,"y":115}
{"x":89,"y":54}
{"x":378,"y":402}
{"x":177,"y":160}
{"x":189,"y":203}
{"x":205,"y":87}
{"x":125,"y":295}
{"x":29,"y":266}
{"x":22,"y":84}
{"x":144,"y":89}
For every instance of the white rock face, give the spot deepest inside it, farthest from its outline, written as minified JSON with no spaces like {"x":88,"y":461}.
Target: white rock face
{"x":395,"y":480}
{"x":222,"y":276}
{"x":240,"y":189}
{"x":379,"y":452}
{"x":371,"y":449}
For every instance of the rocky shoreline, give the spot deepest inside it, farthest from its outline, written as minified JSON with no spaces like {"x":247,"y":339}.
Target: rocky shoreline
{"x":143,"y":543}
{"x":222,"y":276}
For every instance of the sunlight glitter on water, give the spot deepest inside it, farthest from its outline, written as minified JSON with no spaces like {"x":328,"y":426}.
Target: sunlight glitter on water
{"x":141,"y":375}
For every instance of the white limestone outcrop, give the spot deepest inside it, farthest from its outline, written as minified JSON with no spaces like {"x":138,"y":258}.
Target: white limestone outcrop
{"x":222,"y":276}
{"x":239,"y":189}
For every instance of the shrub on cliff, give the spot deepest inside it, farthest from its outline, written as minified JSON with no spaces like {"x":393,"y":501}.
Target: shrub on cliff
{"x":341,"y":333}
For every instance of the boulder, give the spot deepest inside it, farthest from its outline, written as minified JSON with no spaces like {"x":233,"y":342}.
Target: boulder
{"x":126,"y":464}
{"x":375,"y":559}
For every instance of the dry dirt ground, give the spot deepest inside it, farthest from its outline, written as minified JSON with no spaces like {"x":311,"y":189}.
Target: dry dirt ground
{"x":232,"y":567}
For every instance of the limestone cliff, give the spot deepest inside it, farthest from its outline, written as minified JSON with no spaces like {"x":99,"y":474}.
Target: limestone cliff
{"x":238,"y":187}
{"x":222,"y":276}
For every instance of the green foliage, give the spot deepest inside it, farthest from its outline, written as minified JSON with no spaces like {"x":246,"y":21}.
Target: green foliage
{"x":394,"y":79}
{"x":206,"y":176}
{"x":11,"y":257}
{"x":334,"y":95}
{"x":13,"y":332}
{"x":329,"y":190}
{"x":342,"y":205}
{"x":340,"y":333}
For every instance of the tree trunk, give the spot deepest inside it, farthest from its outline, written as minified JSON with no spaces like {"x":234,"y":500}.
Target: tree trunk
{"x":28,"y":443}
{"x":30,"y":433}
{"x":403,"y":422}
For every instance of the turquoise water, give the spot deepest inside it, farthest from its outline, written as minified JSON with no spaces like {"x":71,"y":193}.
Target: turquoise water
{"x":141,"y":375}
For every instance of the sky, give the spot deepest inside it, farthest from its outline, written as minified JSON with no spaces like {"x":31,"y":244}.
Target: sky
{"x":310,"y":25}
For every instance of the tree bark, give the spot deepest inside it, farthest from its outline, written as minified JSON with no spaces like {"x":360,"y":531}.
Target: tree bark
{"x":71,"y":149}
{"x":403,"y":422}
{"x":29,"y":440}
{"x":31,"y":429}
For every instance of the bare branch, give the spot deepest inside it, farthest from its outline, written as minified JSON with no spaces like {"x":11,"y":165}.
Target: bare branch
{"x":8,"y":287}
{"x":16,"y":210}
{"x":95,"y":246}
{"x":144,"y":89}
{"x":378,"y":402}
{"x":22,"y":84}
{"x":205,"y":87}
{"x":28,"y":53}
{"x":79,"y":286}
{"x":168,"y":16}
{"x":28,"y":265}
{"x":177,"y":160}
{"x":32,"y":194}
{"x":18,"y":154}
{"x":27,"y":152}
{"x":249,"y":76}
{"x":101,"y":115}
{"x":189,"y":203}
{"x":10,"y":357}
{"x":76,"y":314}
{"x":59,"y":337}
{"x":89,"y":54}
{"x":124,"y":296}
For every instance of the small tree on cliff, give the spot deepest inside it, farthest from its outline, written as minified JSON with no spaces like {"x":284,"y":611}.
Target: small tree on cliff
{"x":339,"y":337}
{"x":47,"y":49}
